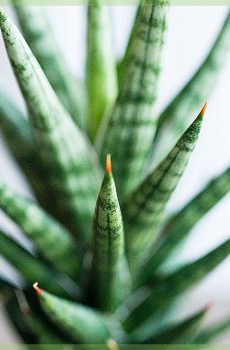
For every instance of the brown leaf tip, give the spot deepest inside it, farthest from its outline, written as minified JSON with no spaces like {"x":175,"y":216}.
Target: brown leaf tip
{"x":108,"y":164}
{"x":38,"y":290}
{"x":202,"y":112}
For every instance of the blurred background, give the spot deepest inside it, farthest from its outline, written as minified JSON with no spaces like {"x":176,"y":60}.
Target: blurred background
{"x":191,"y":31}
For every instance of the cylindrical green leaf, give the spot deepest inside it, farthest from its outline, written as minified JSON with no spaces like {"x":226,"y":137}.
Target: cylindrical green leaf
{"x":40,"y":37}
{"x":176,"y":117}
{"x":180,"y":225}
{"x":54,"y":241}
{"x":101,"y":66}
{"x":82,"y":323}
{"x":108,"y":273}
{"x":144,"y":209}
{"x":128,"y":131}
{"x":66,"y":154}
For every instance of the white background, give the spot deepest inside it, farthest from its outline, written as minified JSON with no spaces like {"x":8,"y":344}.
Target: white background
{"x":191,"y":32}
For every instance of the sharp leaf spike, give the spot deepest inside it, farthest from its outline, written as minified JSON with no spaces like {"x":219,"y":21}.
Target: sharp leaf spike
{"x":179,"y":226}
{"x":72,"y":166}
{"x":54,"y":241}
{"x":108,"y":283}
{"x":128,"y":131}
{"x":40,"y":37}
{"x":82,"y":323}
{"x":101,"y":63}
{"x":176,"y":117}
{"x":144,"y":208}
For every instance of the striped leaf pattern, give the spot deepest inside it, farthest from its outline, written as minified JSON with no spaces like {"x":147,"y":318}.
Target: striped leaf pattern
{"x":28,"y":265}
{"x":53,"y":240}
{"x":172,"y":121}
{"x":101,"y":67}
{"x":66,"y":153}
{"x":180,"y":225}
{"x":157,"y":302}
{"x":128,"y":131}
{"x":144,"y":208}
{"x":40,"y":37}
{"x":80,"y":322}
{"x":107,"y":271}
{"x":182,"y":332}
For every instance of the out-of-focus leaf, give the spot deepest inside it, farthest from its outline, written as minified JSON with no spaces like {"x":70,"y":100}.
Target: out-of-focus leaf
{"x":128,"y":131}
{"x":150,"y":311}
{"x":108,"y":275}
{"x":144,"y":209}
{"x":41,"y":39}
{"x":180,"y":225}
{"x":212,"y":332}
{"x":182,"y":332}
{"x":66,"y":153}
{"x":176,"y":117}
{"x":28,"y":265}
{"x":79,"y":321}
{"x":54,"y":241}
{"x":101,"y":66}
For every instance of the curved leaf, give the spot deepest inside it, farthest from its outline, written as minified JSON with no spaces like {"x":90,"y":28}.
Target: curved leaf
{"x":66,"y":154}
{"x":101,"y":67}
{"x":144,"y":209}
{"x":40,"y":37}
{"x":128,"y":131}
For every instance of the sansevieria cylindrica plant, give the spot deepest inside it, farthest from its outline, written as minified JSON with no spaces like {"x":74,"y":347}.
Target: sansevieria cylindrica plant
{"x":102,"y":165}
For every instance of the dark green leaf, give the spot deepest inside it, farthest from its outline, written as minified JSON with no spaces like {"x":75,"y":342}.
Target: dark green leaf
{"x":210,"y":333}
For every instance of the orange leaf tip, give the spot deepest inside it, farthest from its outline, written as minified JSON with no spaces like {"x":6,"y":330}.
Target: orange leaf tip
{"x":38,"y":290}
{"x":108,"y":164}
{"x":112,"y":345}
{"x":208,"y":306}
{"x":202,"y":112}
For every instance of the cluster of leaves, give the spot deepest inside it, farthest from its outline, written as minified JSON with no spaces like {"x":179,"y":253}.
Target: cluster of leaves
{"x":101,"y":268}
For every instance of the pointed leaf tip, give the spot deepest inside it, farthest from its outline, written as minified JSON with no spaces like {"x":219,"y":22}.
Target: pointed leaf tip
{"x":202,"y":112}
{"x":108,"y":164}
{"x":38,"y":290}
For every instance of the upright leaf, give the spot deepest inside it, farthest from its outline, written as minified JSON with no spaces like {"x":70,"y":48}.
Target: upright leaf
{"x":53,"y":240}
{"x":144,"y":208}
{"x":172,"y":121}
{"x":149,"y":312}
{"x":66,"y":154}
{"x":107,"y":272}
{"x":28,"y":265}
{"x":128,"y":132}
{"x":101,"y":67}
{"x":41,"y":39}
{"x":179,"y":226}
{"x":82,"y":323}
{"x":182,"y":332}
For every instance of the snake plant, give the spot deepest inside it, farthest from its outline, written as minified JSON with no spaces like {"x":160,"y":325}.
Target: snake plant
{"x":100,"y":237}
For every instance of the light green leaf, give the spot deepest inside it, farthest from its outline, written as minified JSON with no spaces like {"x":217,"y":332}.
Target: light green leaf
{"x":144,"y":208}
{"x":53,"y":240}
{"x":108,"y":281}
{"x":146,"y":315}
{"x":128,"y":131}
{"x":176,"y":117}
{"x":65,"y":151}
{"x":41,"y":39}
{"x":101,"y":66}
{"x":179,"y":226}
{"x":82,"y":323}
